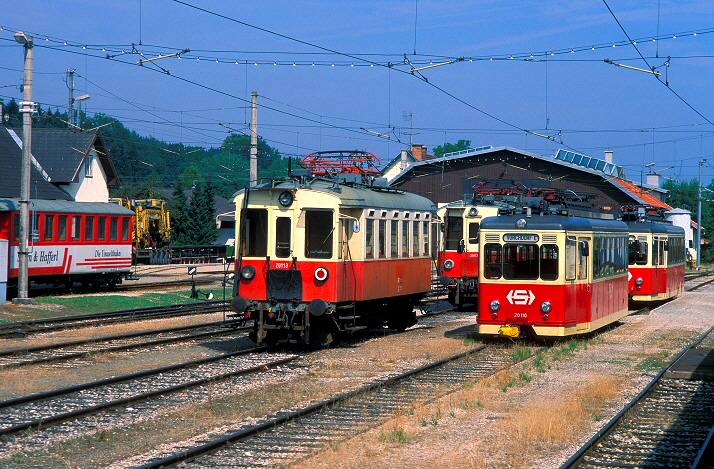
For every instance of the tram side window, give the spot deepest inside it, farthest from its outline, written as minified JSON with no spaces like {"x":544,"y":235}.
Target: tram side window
{"x":570,"y":257}
{"x":89,"y":228}
{"x":454,"y":232}
{"x":381,"y":239}
{"x":318,"y":234}
{"x":369,"y":239}
{"x":655,"y":251}
{"x":415,"y":238}
{"x":492,"y":261}
{"x":549,"y":262}
{"x":660,"y":257}
{"x":113,"y":228}
{"x":16,"y":224}
{"x":49,"y":227}
{"x":583,"y":260}
{"x":473,"y":233}
{"x":101,"y":228}
{"x":520,"y":261}
{"x":282,"y":237}
{"x":425,"y":238}
{"x":62,"y":228}
{"x":405,"y":239}
{"x":76,"y":226}
{"x":124,"y":228}
{"x":256,"y":233}
{"x":394,"y":238}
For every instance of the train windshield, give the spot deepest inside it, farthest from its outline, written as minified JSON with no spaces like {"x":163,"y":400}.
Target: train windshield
{"x":318,"y":234}
{"x":637,"y":251}
{"x":454,"y":232}
{"x":256,"y":233}
{"x":518,"y":261}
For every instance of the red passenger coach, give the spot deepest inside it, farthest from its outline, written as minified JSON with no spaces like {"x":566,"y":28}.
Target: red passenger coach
{"x":656,"y":261}
{"x":319,"y":258}
{"x":551,"y":275}
{"x":70,"y":242}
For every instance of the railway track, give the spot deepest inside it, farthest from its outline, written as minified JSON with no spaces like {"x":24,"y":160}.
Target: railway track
{"x":288,"y":436}
{"x":47,"y":410}
{"x":669,"y":424}
{"x":698,"y":281}
{"x":76,"y":349}
{"x":100,"y":319}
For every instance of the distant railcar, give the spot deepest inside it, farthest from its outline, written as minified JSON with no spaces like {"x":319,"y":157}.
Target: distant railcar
{"x":70,"y":242}
{"x":317,"y":259}
{"x":657,"y":257}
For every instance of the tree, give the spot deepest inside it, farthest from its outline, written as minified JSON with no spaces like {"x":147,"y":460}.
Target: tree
{"x":201,"y":221}
{"x":685,"y":195}
{"x":451,"y":147}
{"x":178,"y":209}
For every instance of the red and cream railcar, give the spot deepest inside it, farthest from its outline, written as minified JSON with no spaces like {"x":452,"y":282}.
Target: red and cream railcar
{"x":656,"y":260}
{"x":552,"y":275}
{"x":70,"y":242}
{"x":321,"y":258}
{"x":458,"y":248}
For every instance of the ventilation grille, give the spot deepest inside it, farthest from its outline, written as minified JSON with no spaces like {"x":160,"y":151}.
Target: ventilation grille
{"x":550,"y":239}
{"x":493,"y":238}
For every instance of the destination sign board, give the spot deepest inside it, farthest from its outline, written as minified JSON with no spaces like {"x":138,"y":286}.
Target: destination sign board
{"x":521,"y":237}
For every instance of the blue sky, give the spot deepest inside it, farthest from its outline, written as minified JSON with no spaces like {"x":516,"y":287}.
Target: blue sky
{"x":576,"y":99}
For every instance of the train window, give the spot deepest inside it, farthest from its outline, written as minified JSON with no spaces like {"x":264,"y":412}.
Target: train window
{"x":405,"y":239}
{"x":492,"y":260}
{"x":318,"y":234}
{"x":49,"y":227}
{"x":381,"y":239}
{"x":101,"y":228}
{"x":549,"y":262}
{"x":583,"y":258}
{"x":454,"y":232}
{"x":425,"y":238}
{"x":637,"y":252}
{"x":369,"y":239}
{"x":62,"y":228}
{"x":125,"y":228}
{"x":113,"y":228}
{"x":282,"y":237}
{"x":473,"y":233}
{"x":76,"y":225}
{"x":570,"y":257}
{"x":415,"y":237}
{"x":655,"y":251}
{"x":520,"y":261}
{"x":394,"y":238}
{"x":89,"y":228}
{"x":16,"y":226}
{"x":256,"y":233}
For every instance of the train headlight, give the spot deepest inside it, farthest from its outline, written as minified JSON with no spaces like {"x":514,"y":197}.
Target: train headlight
{"x":521,"y":223}
{"x":545,"y":307}
{"x":639,"y":281}
{"x":448,"y":264}
{"x":247,"y":272}
{"x":285,"y":199}
{"x":321,"y":274}
{"x":495,"y":305}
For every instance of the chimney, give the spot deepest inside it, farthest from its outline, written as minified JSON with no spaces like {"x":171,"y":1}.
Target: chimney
{"x":403,"y":159}
{"x":653,"y":179}
{"x":608,"y":156}
{"x":418,"y":151}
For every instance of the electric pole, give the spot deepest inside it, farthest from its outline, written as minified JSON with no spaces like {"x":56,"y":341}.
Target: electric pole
{"x":253,"y":138}
{"x":70,"y":85}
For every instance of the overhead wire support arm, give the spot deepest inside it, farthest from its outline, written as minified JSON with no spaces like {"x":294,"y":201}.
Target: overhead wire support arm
{"x":412,"y":70}
{"x":653,"y":72}
{"x":175,"y":54}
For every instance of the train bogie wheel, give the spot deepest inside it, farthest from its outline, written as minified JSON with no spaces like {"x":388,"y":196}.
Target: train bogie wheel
{"x":402,"y":318}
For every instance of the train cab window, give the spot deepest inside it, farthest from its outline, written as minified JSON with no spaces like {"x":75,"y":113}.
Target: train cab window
{"x":492,"y":261}
{"x":113,"y":228}
{"x":405,"y":239}
{"x":62,"y":228}
{"x":415,"y":238}
{"x":381,"y":239}
{"x":49,"y":227}
{"x":125,"y":228}
{"x":454,"y":232}
{"x":369,"y":239}
{"x":637,"y":252}
{"x":549,"y":262}
{"x":571,"y":251}
{"x":282,"y":237}
{"x":89,"y":228}
{"x":256,"y":233}
{"x":76,"y":226}
{"x":473,"y":232}
{"x":425,"y":238}
{"x":319,"y":227}
{"x":394,"y":238}
{"x":520,"y":261}
{"x":101,"y":228}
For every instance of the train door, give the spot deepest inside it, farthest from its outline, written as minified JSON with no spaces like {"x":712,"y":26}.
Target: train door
{"x":348,"y":225}
{"x":658,"y":265}
{"x":584,"y":275}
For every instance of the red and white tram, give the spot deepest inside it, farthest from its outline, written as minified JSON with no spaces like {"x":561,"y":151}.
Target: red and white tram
{"x":551,"y":275}
{"x":320,"y":258}
{"x":70,"y":242}
{"x":657,"y":257}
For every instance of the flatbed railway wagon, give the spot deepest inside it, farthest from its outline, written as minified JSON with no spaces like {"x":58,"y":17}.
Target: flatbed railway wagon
{"x":552,"y":275}
{"x":657,"y":257}
{"x":318,"y":259}
{"x":84,"y":242}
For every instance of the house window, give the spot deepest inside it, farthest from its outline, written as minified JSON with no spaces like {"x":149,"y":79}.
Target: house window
{"x":88,"y":163}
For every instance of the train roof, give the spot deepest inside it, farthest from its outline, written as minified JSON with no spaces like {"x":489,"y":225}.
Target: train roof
{"x":65,"y":206}
{"x":553,"y":222}
{"x":357,"y":196}
{"x":655,"y":228}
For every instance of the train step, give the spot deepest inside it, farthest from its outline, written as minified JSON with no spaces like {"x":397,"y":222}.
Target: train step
{"x":355,"y":328}
{"x":347,"y":318}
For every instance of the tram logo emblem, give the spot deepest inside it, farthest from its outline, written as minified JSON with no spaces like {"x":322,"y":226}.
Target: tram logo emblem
{"x":520,"y":297}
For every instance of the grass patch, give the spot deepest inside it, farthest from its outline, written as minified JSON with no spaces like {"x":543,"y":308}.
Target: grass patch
{"x":519,"y":353}
{"x":395,"y":435}
{"x":653,"y":362}
{"x":102,"y":303}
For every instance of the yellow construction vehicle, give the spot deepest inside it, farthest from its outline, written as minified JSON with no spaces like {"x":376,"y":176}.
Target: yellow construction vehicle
{"x":152,"y":230}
